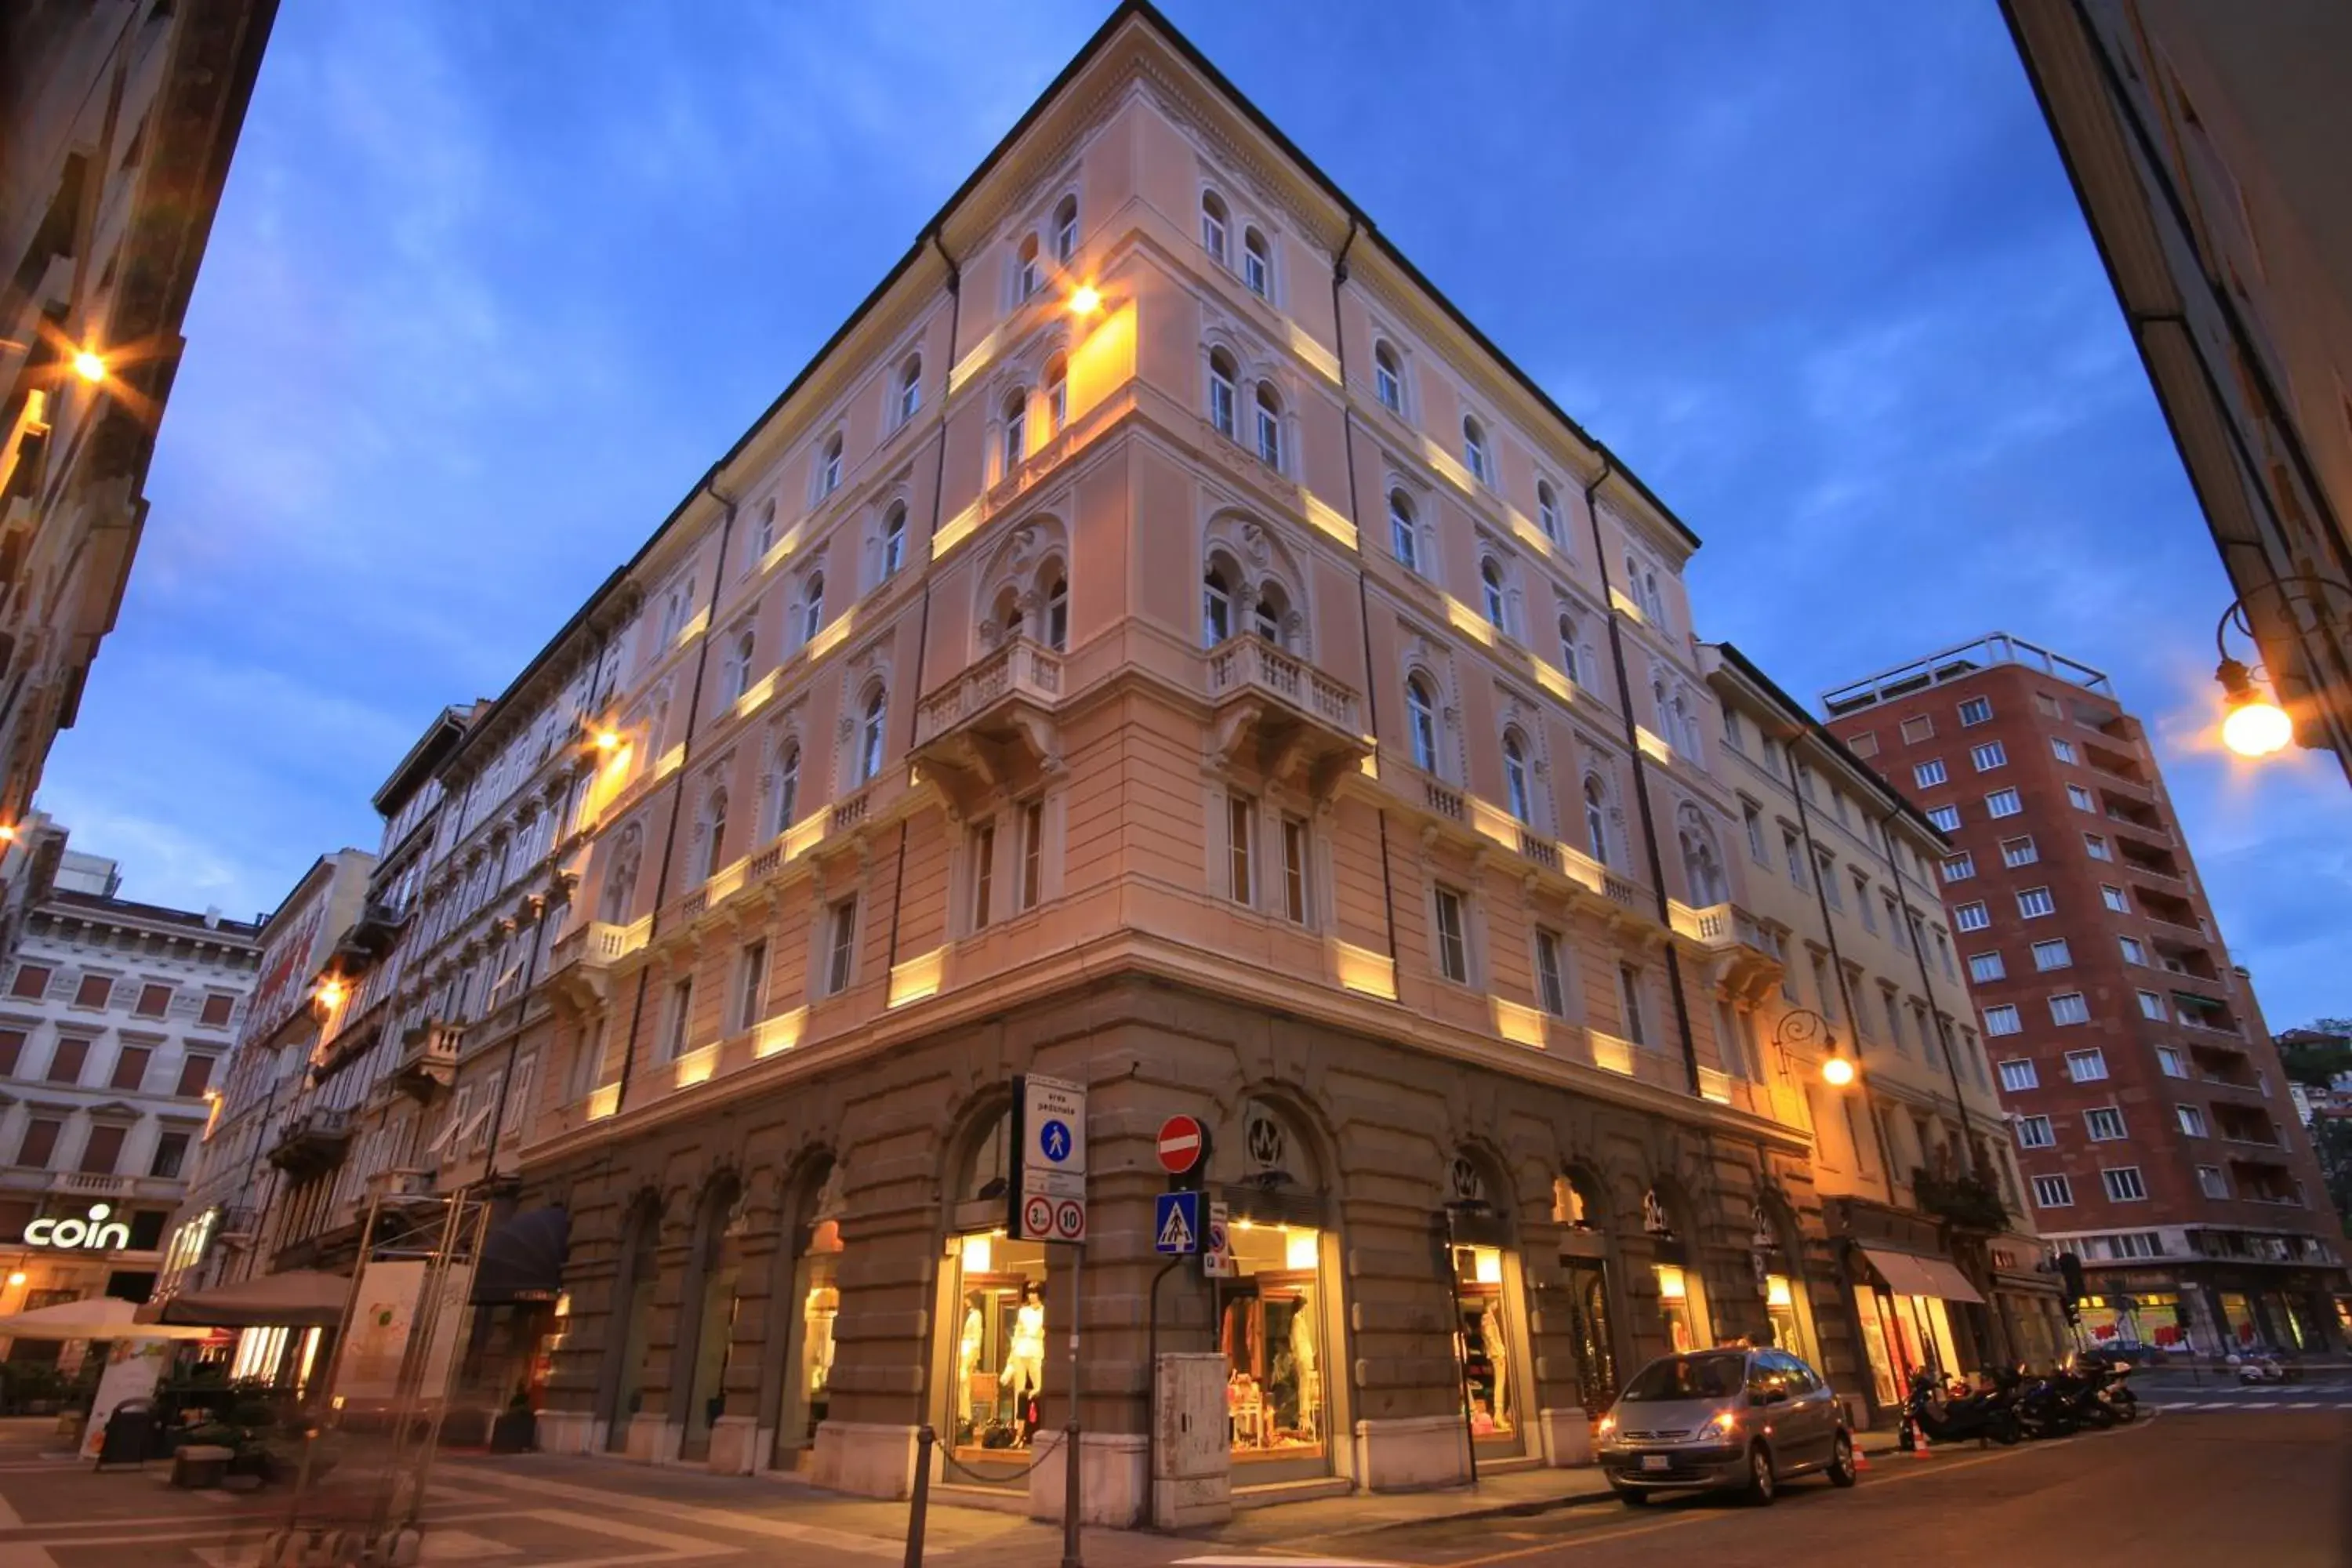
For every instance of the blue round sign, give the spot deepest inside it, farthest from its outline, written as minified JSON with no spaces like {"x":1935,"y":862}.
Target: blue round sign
{"x":1054,"y":1138}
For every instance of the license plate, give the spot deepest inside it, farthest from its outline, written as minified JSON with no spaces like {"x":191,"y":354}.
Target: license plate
{"x":1657,"y":1461}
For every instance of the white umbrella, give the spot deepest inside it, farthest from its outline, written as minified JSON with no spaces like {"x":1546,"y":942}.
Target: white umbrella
{"x":91,"y":1318}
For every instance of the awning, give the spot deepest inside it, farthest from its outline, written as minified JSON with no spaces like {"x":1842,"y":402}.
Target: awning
{"x":523,"y":1258}
{"x":298,"y":1299}
{"x":91,"y":1318}
{"x":1908,"y":1274}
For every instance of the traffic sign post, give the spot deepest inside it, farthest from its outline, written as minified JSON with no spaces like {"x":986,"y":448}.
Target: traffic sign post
{"x":1176,"y":1224}
{"x":1182,"y":1142}
{"x":1048,"y":1195}
{"x":1216,"y":1256}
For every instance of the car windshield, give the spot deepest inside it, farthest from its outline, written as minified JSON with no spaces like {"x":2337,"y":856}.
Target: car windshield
{"x":1689,"y":1377}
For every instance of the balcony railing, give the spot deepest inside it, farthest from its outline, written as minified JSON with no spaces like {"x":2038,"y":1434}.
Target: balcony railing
{"x":1255,"y":664}
{"x":1019,"y":668}
{"x":1447,"y":802}
{"x":1721,"y":926}
{"x":428,"y":1059}
{"x":598,"y":945}
{"x":313,"y":1141}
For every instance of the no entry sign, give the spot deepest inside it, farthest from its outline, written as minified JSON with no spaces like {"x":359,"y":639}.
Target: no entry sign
{"x":1179,"y":1144}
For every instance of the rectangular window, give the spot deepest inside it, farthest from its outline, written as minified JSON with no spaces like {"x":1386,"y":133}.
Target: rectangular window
{"x":2210,"y":1181}
{"x":93,"y":991}
{"x":1033,"y":854}
{"x":1862,"y":901}
{"x":2134,"y":950}
{"x":1864,"y":744}
{"x":1294,"y":869}
{"x":1990,"y":755}
{"x":1959,"y":867}
{"x":1970,"y":917}
{"x":2004,"y":803}
{"x":2017,"y":1074}
{"x":155,"y":1000}
{"x":129,"y":1069}
{"x":1825,"y":869}
{"x":2052,"y":1192}
{"x":750,"y":986}
{"x":2095,"y":845}
{"x":103,"y":1149}
{"x":1917,"y":729}
{"x":195,"y":1077}
{"x":984,"y":873}
{"x":2035,"y":903}
{"x":40,"y":1143}
{"x":841,"y":951}
{"x":12,"y":1049}
{"x":2104,"y":1124}
{"x":217,"y":1008}
{"x":2047,"y":706}
{"x":32,"y":982}
{"x":2124,"y":1185}
{"x":1986,"y":966}
{"x":2086,"y":1066}
{"x":1550,"y":988}
{"x":2192,"y":1120}
{"x":1946,"y":817}
{"x":2170,"y":1062}
{"x":2114,"y":899}
{"x":1239,"y":810}
{"x":2052,"y":954}
{"x":2151,"y":1005}
{"x":1453,"y":946}
{"x":171,"y":1154}
{"x":1976,"y":710}
{"x":1755,"y":824}
{"x":1928,"y":774}
{"x":682,"y":1020}
{"x":2001,"y":1019}
{"x":1796,"y":860}
{"x":1897,"y":925}
{"x":2068,"y":1008}
{"x":1629,"y":996}
{"x":2079,"y":798}
{"x":66,"y":1063}
{"x":2019,"y":851}
{"x":2033,"y":1133}
{"x":2061,"y":749}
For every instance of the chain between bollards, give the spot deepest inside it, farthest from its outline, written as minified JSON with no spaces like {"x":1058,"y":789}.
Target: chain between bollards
{"x":1070,"y":1496}
{"x":917,"y":1511}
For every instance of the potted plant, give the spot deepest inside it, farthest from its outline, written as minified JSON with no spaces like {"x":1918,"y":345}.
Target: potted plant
{"x":516,"y":1428}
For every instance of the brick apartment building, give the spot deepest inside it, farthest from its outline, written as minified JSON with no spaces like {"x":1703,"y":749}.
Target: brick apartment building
{"x":2145,"y":1096}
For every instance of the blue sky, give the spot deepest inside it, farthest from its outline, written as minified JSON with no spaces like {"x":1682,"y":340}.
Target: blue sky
{"x":492,"y":285}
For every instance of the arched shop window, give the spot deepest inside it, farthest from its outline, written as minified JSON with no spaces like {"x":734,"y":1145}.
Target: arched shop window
{"x":993,"y":1317}
{"x":1580,"y":1210}
{"x":1278,"y":1316}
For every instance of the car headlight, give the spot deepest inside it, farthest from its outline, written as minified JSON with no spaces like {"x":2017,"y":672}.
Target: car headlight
{"x":1609,"y":1425}
{"x":1724,"y":1424}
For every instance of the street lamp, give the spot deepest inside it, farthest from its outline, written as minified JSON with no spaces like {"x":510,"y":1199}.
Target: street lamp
{"x":2255,"y":723}
{"x":1803,"y":1026}
{"x":1084,"y":299}
{"x":90,"y":365}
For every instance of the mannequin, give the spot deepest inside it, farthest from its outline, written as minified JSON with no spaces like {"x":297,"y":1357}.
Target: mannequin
{"x":1490,"y":1338}
{"x":968,"y":1344}
{"x":1025,"y":1357}
{"x":1302,"y":1358}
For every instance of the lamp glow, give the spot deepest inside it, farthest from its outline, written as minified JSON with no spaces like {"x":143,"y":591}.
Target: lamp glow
{"x":2254,"y":724}
{"x":1837,"y":1072}
{"x":330,"y":992}
{"x":1086,"y":300}
{"x":16,"y":1278}
{"x":89,"y":365}
{"x":608,"y":740}
{"x":7,"y":835}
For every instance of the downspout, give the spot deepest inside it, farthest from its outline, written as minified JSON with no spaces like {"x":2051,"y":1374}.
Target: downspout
{"x":1364,"y":595}
{"x":1640,"y":771}
{"x":677,"y":793}
{"x":923,"y":624}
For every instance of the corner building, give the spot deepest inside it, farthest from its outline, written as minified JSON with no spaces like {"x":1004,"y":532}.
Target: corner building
{"x":2147,"y":1102}
{"x":1158,"y":643}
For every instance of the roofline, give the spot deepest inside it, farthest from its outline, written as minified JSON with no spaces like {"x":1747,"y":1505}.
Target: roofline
{"x":132,"y":908}
{"x":1819,"y":730}
{"x":419,"y":764}
{"x":605,"y":591}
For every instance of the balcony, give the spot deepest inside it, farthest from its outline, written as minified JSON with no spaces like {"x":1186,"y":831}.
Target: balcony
{"x":1751,"y":955}
{"x":378,"y":927}
{"x":1282,"y":715}
{"x":429,"y":1059}
{"x":313,"y":1142}
{"x":1965,"y":1203}
{"x":991,"y":728}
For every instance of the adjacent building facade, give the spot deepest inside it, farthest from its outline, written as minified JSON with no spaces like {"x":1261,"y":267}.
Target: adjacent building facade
{"x":2146,"y":1099}
{"x":116,"y":121}
{"x":2205,"y":144}
{"x":115,"y":1023}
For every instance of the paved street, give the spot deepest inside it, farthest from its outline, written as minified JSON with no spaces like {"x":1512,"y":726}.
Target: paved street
{"x":2249,"y":1484}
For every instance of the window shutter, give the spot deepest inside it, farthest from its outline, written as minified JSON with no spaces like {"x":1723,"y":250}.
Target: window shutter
{"x":195,"y":1077}
{"x":104,"y":1148}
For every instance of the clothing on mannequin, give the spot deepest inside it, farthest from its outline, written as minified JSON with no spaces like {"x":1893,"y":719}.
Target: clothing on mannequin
{"x":967,"y":1344}
{"x":1490,"y":1340}
{"x":1025,"y":1356}
{"x":1302,"y":1359}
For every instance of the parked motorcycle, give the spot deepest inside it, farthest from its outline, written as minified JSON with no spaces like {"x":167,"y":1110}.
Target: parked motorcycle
{"x":2043,"y":1408}
{"x":2263,"y":1367}
{"x":1985,"y":1416}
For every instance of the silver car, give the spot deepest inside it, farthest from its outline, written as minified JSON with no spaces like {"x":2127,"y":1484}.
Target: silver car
{"x":1740,"y":1420}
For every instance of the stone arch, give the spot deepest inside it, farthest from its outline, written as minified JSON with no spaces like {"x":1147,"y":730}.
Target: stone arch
{"x":636,"y":1277}
{"x":1705,"y":879}
{"x":1266,"y":574}
{"x":804,"y":1290}
{"x":1014,"y":577}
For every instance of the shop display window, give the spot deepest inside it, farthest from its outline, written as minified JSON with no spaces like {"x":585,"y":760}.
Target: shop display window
{"x":1483,"y":1341}
{"x":1270,"y":1331}
{"x":999,"y":1328}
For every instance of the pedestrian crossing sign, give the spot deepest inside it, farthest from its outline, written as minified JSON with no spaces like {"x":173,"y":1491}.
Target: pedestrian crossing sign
{"x":1176,"y":1224}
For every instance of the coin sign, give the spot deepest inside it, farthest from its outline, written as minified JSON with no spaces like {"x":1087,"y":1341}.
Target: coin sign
{"x":1069,"y":1220}
{"x":1037,"y":1216}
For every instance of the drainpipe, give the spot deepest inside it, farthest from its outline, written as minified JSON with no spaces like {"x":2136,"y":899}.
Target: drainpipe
{"x":923,"y":624}
{"x":1641,"y":773}
{"x":677,"y":793}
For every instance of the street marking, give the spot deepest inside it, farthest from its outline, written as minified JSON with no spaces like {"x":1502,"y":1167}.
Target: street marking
{"x":716,"y":1517}
{"x":2304,"y":1405}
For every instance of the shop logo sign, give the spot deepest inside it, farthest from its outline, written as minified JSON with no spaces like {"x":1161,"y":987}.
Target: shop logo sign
{"x":97,"y":1234}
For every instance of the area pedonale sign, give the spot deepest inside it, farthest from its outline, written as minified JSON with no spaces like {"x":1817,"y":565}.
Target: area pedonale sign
{"x":96,"y":1233}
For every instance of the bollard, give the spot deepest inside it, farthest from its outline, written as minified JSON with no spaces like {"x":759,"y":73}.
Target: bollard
{"x":920,"y":1506}
{"x":1070,"y":1499}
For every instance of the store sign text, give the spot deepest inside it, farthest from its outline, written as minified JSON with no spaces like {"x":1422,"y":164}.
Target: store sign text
{"x":96,"y":1233}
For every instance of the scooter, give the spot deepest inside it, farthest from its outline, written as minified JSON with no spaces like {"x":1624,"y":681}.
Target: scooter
{"x":2262,"y":1367}
{"x":1987,"y":1418}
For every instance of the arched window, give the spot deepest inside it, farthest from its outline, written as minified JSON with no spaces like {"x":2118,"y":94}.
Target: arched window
{"x":1024,"y":270}
{"x":1256,"y":270}
{"x":1221,"y":393}
{"x":911,"y":387}
{"x":1057,"y":614}
{"x":894,"y":539}
{"x":1006,"y":616}
{"x":1057,"y":395}
{"x":1269,"y":425}
{"x":1474,"y":450}
{"x":1213,"y":226}
{"x":1216,"y":606}
{"x":763,"y":536}
{"x":1596,"y":817}
{"x":1016,"y":428}
{"x":1520,"y":794}
{"x":1404,"y":542}
{"x":1685,"y":727}
{"x":829,"y":467}
{"x":1421,"y":719}
{"x":1269,"y":614}
{"x":1388,"y":378}
{"x":1548,"y":511}
{"x":1702,"y":866}
{"x":1490,"y":587}
{"x":739,"y":663}
{"x":1065,"y":229}
{"x":811,"y":606}
{"x":788,"y":787}
{"x":714,"y":837}
{"x":621,"y":878}
{"x":1567,"y":659}
{"x":870,"y":735}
